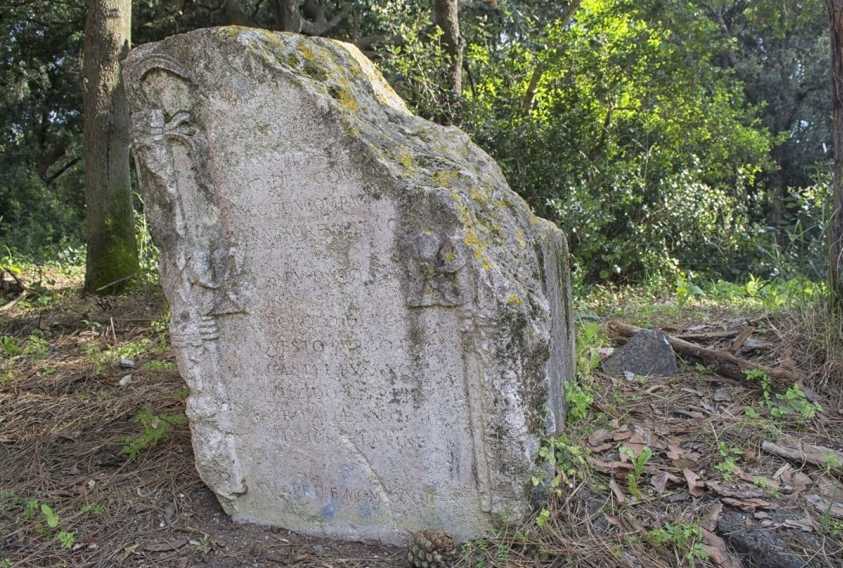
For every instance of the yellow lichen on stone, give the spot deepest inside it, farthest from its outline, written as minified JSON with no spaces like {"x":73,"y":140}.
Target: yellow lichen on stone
{"x":478,"y":247}
{"x":405,"y":158}
{"x":347,"y":100}
{"x":514,"y":299}
{"x":472,"y":238}
{"x":446,"y":178}
{"x":306,"y":52}
{"x":478,"y":195}
{"x":520,"y":238}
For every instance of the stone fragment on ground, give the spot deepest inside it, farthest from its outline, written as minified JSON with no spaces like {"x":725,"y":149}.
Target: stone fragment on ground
{"x":782,"y":544}
{"x":374,"y":328}
{"x":647,"y":353}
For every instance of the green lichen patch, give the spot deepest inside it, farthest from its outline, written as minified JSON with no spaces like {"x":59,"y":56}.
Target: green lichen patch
{"x":406,"y":159}
{"x":446,"y":178}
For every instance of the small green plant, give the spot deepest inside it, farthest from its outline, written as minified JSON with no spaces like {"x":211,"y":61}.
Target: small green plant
{"x":156,"y":429}
{"x":590,"y":338}
{"x":66,"y":538}
{"x":685,"y":540}
{"x":9,"y":346}
{"x":568,"y":460}
{"x":50,"y":516}
{"x":102,"y":359}
{"x":5,"y":563}
{"x":94,"y":508}
{"x":829,"y":525}
{"x":761,"y":377}
{"x":728,"y":466}
{"x":751,"y":413}
{"x":639,"y":463}
{"x":30,"y":508}
{"x":686,"y":290}
{"x":753,"y":286}
{"x":40,"y":512}
{"x":832,"y":463}
{"x":578,"y":402}
{"x":794,"y":402}
{"x":36,"y":347}
{"x":543,"y":517}
{"x":765,"y":485}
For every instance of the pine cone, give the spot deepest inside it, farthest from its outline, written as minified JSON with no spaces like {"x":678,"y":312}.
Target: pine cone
{"x":431,"y":549}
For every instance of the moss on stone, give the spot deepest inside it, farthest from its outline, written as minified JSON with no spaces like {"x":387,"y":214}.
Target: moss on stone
{"x":514,"y":299}
{"x":520,"y":238}
{"x":446,"y":178}
{"x":406,"y":159}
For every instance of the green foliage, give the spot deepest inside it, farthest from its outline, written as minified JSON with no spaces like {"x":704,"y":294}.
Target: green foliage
{"x":34,"y":347}
{"x":639,"y":463}
{"x":156,"y":429}
{"x":67,"y":539}
{"x":684,"y":539}
{"x":578,"y":401}
{"x":590,"y":338}
{"x":10,"y":346}
{"x":728,"y":466}
{"x":46,"y":519}
{"x":793,"y":402}
{"x":50,"y":516}
{"x":102,"y":359}
{"x":636,"y":142}
{"x":566,"y":458}
{"x":686,"y":290}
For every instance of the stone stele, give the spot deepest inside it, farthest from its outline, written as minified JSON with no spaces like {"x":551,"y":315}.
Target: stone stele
{"x":375,"y":329}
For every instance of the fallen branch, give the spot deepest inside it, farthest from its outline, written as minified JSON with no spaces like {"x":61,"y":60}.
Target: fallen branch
{"x":723,"y":362}
{"x":14,"y":302}
{"x":23,"y":291}
{"x":800,"y":453}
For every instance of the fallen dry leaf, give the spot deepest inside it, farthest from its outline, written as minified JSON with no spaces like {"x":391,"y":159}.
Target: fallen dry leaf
{"x":660,"y":480}
{"x":712,"y":515}
{"x":748,"y":505}
{"x":695,"y":487}
{"x":717,"y":551}
{"x":617,"y":491}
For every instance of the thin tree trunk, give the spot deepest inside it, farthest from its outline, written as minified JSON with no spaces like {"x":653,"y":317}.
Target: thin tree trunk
{"x":446,"y":15}
{"x":287,"y":15}
{"x":835,"y":268}
{"x":112,"y":250}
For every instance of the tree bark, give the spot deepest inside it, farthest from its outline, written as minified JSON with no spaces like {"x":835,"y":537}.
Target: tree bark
{"x":446,"y":15}
{"x":835,"y":248}
{"x":112,"y":250}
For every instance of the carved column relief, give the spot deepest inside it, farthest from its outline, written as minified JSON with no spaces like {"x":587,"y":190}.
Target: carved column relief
{"x":201,"y":267}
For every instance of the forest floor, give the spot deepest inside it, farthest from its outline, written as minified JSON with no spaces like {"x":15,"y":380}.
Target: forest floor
{"x":96,"y":465}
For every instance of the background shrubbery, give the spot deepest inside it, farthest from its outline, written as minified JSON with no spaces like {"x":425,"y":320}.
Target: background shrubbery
{"x":668,"y":138}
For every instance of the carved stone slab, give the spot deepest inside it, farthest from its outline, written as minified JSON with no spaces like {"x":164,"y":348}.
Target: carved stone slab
{"x":374,"y":328}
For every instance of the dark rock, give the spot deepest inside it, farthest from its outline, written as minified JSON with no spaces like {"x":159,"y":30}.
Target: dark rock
{"x":646,"y":353}
{"x":763,"y":547}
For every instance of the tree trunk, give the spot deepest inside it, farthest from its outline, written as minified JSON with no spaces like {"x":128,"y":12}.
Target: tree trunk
{"x":112,"y":250}
{"x":835,"y":268}
{"x":446,"y":15}
{"x":287,"y":15}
